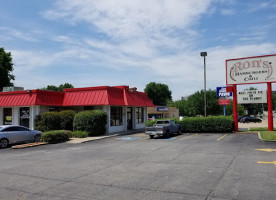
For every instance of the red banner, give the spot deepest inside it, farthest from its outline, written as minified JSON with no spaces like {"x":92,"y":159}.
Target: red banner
{"x":224,"y":101}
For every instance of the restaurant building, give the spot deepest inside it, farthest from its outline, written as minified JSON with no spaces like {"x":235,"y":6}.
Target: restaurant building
{"x":126,"y":108}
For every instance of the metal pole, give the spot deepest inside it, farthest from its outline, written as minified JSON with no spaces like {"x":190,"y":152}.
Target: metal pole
{"x":205,"y":101}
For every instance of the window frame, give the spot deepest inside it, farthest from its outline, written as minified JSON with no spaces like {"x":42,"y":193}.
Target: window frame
{"x":116,"y":116}
{"x":140,"y":118}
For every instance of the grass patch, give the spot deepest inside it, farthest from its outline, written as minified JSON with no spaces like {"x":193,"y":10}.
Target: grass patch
{"x":268,"y":135}
{"x":259,"y":129}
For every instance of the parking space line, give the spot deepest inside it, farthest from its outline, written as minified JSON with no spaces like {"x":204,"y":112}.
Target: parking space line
{"x":221,"y":137}
{"x":188,"y":136}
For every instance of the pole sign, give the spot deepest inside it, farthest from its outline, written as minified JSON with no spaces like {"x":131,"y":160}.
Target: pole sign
{"x":252,"y":96}
{"x":224,"y":101}
{"x":260,"y":69}
{"x":221,"y":92}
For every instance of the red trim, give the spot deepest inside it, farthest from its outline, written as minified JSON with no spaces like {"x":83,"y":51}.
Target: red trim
{"x":269,"y":105}
{"x":251,"y":57}
{"x":235,"y":109}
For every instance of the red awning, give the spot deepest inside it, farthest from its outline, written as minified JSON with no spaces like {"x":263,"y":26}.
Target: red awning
{"x":105,"y":95}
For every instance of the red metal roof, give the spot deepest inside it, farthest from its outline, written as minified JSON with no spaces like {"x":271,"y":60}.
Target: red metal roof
{"x":104,"y":95}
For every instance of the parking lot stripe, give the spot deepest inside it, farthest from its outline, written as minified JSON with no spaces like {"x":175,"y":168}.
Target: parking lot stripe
{"x":262,"y":162}
{"x":188,"y":136}
{"x":221,"y":137}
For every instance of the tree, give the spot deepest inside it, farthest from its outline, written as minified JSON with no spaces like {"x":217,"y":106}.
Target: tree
{"x":6,"y":67}
{"x":196,"y":103}
{"x":158,"y":93}
{"x":58,"y":88}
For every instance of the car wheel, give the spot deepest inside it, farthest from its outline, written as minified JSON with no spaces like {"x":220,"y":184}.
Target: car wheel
{"x":4,"y":143}
{"x":247,"y":122}
{"x":259,"y":121}
{"x":37,"y":138}
{"x":151,"y":136}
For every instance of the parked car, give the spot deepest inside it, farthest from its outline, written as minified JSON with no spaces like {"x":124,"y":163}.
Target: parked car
{"x":163,"y":128}
{"x":10,"y":134}
{"x":250,"y":119}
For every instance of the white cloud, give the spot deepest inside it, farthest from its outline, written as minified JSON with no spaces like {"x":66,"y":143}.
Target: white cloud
{"x":128,"y":19}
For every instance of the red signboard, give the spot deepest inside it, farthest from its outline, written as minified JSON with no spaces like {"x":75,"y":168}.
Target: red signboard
{"x":224,"y":101}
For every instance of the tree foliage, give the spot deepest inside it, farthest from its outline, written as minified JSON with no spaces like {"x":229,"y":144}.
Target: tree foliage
{"x":194,"y":105}
{"x":58,"y":88}
{"x":6,"y":67}
{"x":158,"y":93}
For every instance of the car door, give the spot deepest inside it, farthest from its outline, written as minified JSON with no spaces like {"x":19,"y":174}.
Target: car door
{"x":26,"y":134}
{"x":11,"y":133}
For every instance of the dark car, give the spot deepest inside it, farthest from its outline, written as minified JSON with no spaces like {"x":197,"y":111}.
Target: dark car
{"x":250,"y":119}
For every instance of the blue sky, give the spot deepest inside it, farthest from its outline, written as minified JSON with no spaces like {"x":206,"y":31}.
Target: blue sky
{"x":122,"y":42}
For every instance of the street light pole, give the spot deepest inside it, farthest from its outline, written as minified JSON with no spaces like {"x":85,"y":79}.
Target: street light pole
{"x":204,"y":54}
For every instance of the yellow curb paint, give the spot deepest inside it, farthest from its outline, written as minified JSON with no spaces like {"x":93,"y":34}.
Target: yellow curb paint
{"x":221,"y":137}
{"x":188,"y":137}
{"x":266,"y":150}
{"x":262,"y":162}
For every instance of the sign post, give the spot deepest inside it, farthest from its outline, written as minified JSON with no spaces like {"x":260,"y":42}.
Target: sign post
{"x":222,"y":93}
{"x":251,"y":70}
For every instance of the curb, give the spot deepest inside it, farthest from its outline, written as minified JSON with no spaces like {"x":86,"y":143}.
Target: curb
{"x":260,"y":138}
{"x":29,"y":145}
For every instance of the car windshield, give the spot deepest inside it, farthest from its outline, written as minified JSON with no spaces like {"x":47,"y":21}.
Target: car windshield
{"x":1,"y":127}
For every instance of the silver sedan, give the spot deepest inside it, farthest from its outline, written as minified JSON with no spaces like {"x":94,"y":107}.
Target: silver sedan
{"x":10,"y":134}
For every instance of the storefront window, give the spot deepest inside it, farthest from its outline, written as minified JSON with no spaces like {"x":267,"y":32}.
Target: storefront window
{"x":116,"y":116}
{"x":7,"y":120}
{"x":139,"y":115}
{"x":25,"y":116}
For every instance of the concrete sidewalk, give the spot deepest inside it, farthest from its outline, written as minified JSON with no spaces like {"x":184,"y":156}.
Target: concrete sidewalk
{"x":88,"y":139}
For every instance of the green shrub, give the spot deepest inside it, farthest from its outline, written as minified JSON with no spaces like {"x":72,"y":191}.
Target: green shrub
{"x":218,"y":124}
{"x":151,"y":122}
{"x":79,"y":134}
{"x":93,"y":122}
{"x":48,"y":121}
{"x":66,"y":119}
{"x":55,"y":136}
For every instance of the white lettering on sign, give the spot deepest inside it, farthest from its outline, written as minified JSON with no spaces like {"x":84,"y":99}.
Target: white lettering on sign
{"x":251,"y":70}
{"x":252,"y":96}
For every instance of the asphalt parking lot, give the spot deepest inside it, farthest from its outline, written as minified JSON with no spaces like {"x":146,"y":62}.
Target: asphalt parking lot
{"x":188,"y":166}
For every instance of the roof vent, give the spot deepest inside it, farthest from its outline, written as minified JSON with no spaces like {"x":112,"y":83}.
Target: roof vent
{"x":134,"y":89}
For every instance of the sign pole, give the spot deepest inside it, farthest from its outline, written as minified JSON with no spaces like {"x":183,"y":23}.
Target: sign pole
{"x":235,"y":108}
{"x":269,"y":104}
{"x":224,"y":110}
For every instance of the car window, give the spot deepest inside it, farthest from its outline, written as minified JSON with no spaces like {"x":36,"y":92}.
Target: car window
{"x":10,"y":129}
{"x":22,"y":129}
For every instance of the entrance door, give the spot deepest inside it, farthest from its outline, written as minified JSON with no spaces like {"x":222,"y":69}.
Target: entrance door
{"x":25,"y":116}
{"x":129,"y":118}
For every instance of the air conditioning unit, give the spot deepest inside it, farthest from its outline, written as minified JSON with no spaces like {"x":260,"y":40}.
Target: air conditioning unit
{"x":12,"y":88}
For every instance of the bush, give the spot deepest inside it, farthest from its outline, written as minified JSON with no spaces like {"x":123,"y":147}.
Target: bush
{"x":219,"y":124}
{"x":48,"y":121}
{"x":66,"y":119}
{"x":55,"y":136}
{"x":78,"y":134}
{"x":151,"y":122}
{"x":93,"y":122}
